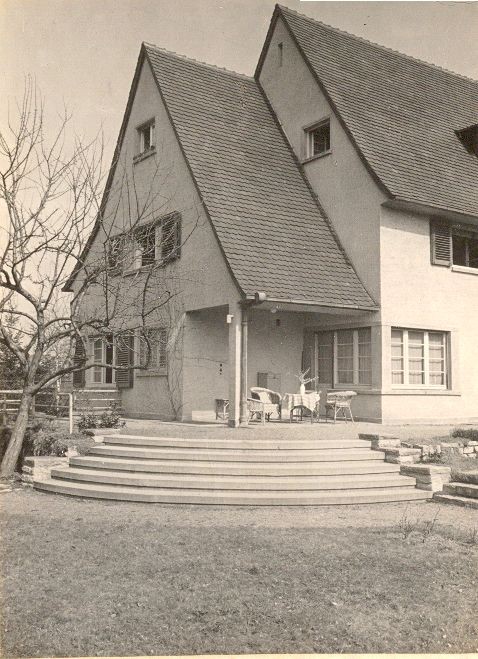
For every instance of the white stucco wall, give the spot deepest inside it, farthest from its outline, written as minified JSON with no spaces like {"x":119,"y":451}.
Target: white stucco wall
{"x":345,"y":188}
{"x":161,"y":184}
{"x":416,"y":294}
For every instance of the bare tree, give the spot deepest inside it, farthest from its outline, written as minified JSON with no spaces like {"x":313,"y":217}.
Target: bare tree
{"x":58,"y":221}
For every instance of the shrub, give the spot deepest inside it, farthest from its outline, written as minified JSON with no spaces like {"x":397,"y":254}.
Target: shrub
{"x":108,"y":419}
{"x":466,"y":433}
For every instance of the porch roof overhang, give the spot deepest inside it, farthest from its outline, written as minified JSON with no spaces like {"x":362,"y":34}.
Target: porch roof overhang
{"x":308,"y":306}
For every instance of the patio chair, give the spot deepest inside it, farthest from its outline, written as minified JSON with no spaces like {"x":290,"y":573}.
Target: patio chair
{"x":270,"y":400}
{"x":338,"y":402}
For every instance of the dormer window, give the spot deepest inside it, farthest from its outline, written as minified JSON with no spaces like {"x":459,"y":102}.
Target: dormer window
{"x":146,"y":137}
{"x":317,"y":139}
{"x":469,"y":138}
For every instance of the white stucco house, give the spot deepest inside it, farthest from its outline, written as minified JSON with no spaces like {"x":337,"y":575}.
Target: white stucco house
{"x":331,"y":209}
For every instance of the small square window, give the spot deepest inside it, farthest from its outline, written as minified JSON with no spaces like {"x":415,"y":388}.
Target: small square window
{"x":146,"y":137}
{"x":318,"y":139}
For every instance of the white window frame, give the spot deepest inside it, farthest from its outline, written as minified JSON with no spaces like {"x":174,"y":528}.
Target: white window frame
{"x":426,"y":360}
{"x":309,"y":139}
{"x":147,"y":127}
{"x":101,"y":370}
{"x":355,"y":357}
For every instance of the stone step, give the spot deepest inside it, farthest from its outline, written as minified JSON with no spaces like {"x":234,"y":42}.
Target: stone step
{"x":191,"y":466}
{"x":229,"y":497}
{"x":211,"y":482}
{"x":236,"y":455}
{"x":461,"y":489}
{"x":456,"y":500}
{"x":466,"y":477}
{"x":231,"y":444}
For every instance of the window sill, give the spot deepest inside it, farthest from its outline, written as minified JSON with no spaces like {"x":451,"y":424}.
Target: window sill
{"x":142,"y":156}
{"x":421,"y":392}
{"x":316,"y":157}
{"x":464,"y":269}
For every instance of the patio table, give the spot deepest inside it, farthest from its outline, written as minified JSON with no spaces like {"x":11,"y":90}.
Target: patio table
{"x":308,"y":400}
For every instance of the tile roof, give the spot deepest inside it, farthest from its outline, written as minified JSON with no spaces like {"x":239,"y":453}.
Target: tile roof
{"x":272,"y":231}
{"x":401,"y":113}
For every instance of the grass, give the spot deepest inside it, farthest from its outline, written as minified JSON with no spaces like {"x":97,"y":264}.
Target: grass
{"x":99,"y":578}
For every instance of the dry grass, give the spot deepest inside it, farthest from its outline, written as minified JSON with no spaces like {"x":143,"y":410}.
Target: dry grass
{"x":96,"y":578}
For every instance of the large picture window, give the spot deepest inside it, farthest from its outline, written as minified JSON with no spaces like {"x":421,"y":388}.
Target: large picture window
{"x":344,"y":357}
{"x":419,"y":358}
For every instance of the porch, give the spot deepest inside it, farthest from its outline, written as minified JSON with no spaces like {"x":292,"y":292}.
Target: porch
{"x":229,"y":350}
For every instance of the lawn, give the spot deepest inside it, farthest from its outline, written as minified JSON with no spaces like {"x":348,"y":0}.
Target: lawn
{"x":85,"y":577}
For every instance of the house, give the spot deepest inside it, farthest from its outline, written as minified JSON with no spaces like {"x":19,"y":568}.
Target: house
{"x":330,"y":205}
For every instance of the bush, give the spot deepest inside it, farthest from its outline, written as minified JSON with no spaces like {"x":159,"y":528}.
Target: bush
{"x":107,"y":419}
{"x":466,"y":433}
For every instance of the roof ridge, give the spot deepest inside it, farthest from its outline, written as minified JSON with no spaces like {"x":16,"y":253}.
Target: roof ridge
{"x":214,"y":67}
{"x":378,"y":45}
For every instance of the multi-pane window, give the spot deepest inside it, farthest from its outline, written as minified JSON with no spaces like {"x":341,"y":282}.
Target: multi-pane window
{"x":465,"y":250}
{"x":159,"y":241}
{"x":153,"y":349}
{"x":344,"y":357}
{"x":318,"y":139}
{"x":102,"y":350}
{"x":146,"y":137}
{"x":419,"y":358}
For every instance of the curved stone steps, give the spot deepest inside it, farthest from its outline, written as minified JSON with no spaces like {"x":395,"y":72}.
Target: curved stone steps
{"x":236,"y":455}
{"x":232,"y":444}
{"x":191,"y":466}
{"x":230,"y":497}
{"x":218,"y":482}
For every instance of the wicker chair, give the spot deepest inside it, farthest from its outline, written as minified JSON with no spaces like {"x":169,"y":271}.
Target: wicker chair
{"x":338,"y":402}
{"x":265,"y":403}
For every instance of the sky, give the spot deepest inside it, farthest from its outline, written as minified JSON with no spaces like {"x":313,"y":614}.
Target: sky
{"x":83,"y":52}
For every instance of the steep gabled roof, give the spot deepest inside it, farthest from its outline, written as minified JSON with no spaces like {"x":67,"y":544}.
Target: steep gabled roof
{"x":400,"y":113}
{"x":271,"y":229}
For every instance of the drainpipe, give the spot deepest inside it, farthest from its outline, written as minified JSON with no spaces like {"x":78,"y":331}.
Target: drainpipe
{"x":259,"y":297}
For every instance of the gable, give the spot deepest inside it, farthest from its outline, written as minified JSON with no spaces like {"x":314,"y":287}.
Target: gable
{"x":401,"y":114}
{"x":273,"y":233}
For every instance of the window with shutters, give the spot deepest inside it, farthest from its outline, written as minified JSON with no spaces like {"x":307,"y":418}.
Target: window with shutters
{"x":102,"y":354}
{"x":344,"y":357}
{"x":158,"y":242}
{"x":124,"y":346}
{"x":454,"y":245}
{"x":419,"y":358}
{"x":153,"y":350}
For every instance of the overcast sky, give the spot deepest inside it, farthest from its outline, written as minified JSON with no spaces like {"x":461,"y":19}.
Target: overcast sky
{"x":84,"y":51}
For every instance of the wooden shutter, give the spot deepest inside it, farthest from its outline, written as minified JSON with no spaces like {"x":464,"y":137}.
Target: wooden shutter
{"x":171,"y":238}
{"x":125,"y":359}
{"x":441,"y":243}
{"x":78,"y":360}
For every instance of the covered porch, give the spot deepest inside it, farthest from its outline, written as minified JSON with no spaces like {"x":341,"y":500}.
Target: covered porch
{"x":264,"y":342}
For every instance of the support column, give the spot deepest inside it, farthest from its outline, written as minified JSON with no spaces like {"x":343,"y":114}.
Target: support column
{"x":235,"y":312}
{"x":244,"y":416}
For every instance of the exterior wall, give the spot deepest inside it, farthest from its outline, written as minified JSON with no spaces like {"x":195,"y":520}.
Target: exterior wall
{"x":345,"y":188}
{"x":272,"y":348}
{"x":416,"y":294}
{"x":160,"y":184}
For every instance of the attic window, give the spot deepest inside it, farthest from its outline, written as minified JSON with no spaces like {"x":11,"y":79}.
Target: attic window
{"x":469,"y":138}
{"x":146,"y":137}
{"x":318,"y":139}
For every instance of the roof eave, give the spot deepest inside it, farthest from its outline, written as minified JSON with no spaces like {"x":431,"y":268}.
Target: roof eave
{"x":422,"y":208}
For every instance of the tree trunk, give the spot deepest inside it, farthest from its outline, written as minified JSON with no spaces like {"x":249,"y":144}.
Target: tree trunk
{"x":12,"y":453}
